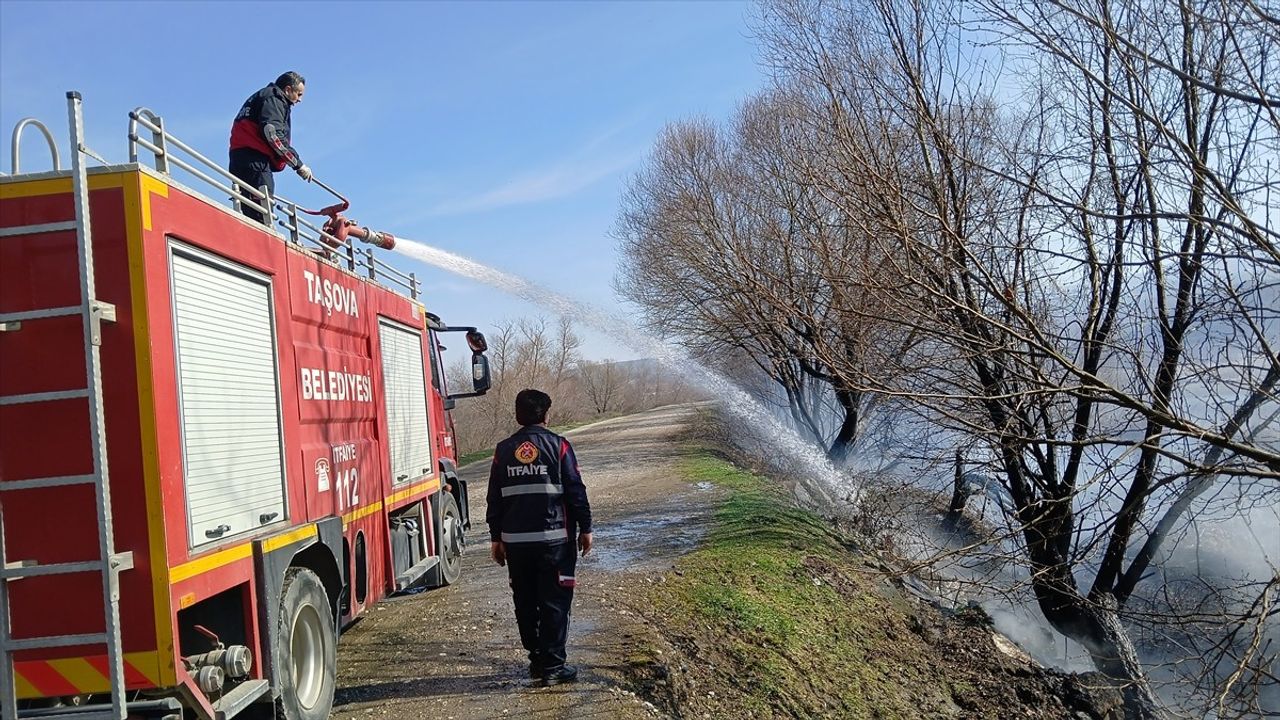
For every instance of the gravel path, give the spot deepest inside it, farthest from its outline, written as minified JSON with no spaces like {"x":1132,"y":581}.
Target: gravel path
{"x":455,"y":652}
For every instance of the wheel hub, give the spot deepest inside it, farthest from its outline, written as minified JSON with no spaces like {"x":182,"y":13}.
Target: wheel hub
{"x":307,"y":655}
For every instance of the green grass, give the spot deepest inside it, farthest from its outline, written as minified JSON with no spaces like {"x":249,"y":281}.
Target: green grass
{"x":474,"y":456}
{"x":798,"y":628}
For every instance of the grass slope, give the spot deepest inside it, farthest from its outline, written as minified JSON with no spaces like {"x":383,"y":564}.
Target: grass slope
{"x":774,"y":617}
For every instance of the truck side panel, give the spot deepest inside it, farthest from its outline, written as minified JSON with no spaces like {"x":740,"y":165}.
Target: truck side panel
{"x":51,"y":439}
{"x":339,"y":501}
{"x":211,"y":570}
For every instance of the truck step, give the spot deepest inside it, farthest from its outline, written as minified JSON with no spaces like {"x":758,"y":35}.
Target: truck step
{"x":43,"y":397}
{"x":37,"y":229}
{"x":48,"y":641}
{"x":164,"y":708}
{"x":239,"y":698}
{"x":25,"y":568}
{"x":45,"y":482}
{"x":406,"y":579}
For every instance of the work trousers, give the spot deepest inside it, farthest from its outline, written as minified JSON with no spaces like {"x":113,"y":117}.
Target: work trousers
{"x":255,"y":169}
{"x":542,"y":581}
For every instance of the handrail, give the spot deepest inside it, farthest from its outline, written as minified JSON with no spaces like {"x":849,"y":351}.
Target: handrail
{"x":278,"y":210}
{"x":169,"y":152}
{"x":160,"y":137}
{"x":48,"y":137}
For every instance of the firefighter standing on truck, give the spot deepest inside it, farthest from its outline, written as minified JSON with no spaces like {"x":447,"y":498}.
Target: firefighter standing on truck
{"x":537,"y":505}
{"x":260,"y":137}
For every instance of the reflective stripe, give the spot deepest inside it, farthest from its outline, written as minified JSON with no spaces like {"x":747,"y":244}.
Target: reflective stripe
{"x":532,"y":489}
{"x":560,"y":534}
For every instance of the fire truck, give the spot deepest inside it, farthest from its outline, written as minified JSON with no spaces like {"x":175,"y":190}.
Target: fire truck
{"x":221,"y":440}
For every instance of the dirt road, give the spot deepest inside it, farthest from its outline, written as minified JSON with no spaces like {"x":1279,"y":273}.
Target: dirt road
{"x":455,"y":653}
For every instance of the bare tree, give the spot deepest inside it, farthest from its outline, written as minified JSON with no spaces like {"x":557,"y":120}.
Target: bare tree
{"x":729,"y":245}
{"x":564,"y":353}
{"x":533,"y":353}
{"x":602,"y":383}
{"x":1092,"y":274}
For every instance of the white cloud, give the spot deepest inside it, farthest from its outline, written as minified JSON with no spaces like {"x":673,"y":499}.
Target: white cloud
{"x":557,"y":181}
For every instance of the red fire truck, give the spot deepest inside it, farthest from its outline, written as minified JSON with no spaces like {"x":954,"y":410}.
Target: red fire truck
{"x":221,"y":441}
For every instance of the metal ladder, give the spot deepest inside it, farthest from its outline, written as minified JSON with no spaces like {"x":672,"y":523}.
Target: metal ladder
{"x":109,"y":564}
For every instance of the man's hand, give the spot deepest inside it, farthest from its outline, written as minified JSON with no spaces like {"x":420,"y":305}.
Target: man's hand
{"x":584,"y":543}
{"x":304,"y":172}
{"x":499,"y":552}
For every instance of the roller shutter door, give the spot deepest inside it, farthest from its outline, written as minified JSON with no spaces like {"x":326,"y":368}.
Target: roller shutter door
{"x":408,"y":441}
{"x":229,"y":397}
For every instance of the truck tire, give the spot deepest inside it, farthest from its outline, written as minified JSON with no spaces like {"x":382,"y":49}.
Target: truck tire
{"x":306,"y":648}
{"x":452,"y":540}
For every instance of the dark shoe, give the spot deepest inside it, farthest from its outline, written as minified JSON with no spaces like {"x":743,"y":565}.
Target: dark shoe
{"x":535,"y":670}
{"x":562,"y":674}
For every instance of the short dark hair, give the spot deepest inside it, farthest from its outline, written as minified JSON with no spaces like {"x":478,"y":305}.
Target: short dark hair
{"x":532,"y":406}
{"x":290,"y":79}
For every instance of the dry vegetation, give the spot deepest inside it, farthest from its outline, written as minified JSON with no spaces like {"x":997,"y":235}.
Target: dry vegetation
{"x":530,"y":353}
{"x":1040,"y":233}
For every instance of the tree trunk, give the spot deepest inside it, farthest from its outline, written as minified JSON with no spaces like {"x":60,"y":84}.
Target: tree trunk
{"x":959,"y":495}
{"x":1092,"y":622}
{"x":842,"y":443}
{"x":1097,"y":626}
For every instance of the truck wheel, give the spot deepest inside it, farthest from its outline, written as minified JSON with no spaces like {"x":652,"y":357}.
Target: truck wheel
{"x":452,"y":540}
{"x":306,"y":648}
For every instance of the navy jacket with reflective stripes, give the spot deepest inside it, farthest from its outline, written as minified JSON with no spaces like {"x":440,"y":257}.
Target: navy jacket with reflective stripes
{"x":535,"y":490}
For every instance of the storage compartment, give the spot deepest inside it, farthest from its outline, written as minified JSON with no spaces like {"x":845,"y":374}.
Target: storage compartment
{"x":406,"y":539}
{"x":408,"y":436}
{"x":228,"y":389}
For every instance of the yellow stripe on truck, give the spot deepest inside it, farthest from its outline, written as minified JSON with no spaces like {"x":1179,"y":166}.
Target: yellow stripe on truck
{"x":275,"y":543}
{"x":79,"y":672}
{"x":15,"y":188}
{"x":137,"y":195}
{"x":203,"y":565}
{"x":358,"y":513}
{"x":429,"y":486}
{"x":24,"y":688}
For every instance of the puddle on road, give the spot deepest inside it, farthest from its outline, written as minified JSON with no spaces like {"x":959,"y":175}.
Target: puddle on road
{"x":645,"y":543}
{"x":652,"y":542}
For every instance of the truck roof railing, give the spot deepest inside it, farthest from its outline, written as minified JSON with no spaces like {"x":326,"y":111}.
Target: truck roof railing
{"x":169,"y":151}
{"x":17,"y":143}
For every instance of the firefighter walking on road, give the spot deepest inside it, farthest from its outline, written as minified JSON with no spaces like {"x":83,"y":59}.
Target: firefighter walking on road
{"x":537,"y":507}
{"x":260,"y":137}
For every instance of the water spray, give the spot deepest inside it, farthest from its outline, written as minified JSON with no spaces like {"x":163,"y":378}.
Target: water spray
{"x":819,"y":477}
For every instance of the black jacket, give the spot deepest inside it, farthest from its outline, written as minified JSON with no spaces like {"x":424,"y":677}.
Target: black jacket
{"x":263,"y":125}
{"x":536,"y":493}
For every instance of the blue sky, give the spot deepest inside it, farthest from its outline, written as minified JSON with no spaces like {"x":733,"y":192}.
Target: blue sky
{"x":502,"y":131}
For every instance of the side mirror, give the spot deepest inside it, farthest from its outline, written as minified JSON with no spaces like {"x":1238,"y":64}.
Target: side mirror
{"x":480,"y":379}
